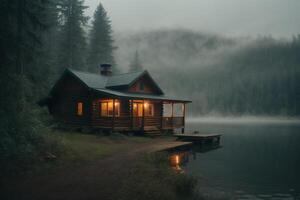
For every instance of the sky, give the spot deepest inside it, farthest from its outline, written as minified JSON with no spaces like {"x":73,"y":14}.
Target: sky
{"x":279,"y":18}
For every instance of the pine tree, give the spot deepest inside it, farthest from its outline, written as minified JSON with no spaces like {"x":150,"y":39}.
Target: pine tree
{"x":46,"y":61}
{"x":23,"y":23}
{"x":101,"y":48}
{"x":72,"y":37}
{"x":136,"y":64}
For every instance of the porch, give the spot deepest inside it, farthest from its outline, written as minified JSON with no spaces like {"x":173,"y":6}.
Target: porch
{"x":138,"y":114}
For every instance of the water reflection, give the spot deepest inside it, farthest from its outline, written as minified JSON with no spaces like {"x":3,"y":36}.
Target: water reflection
{"x":179,"y":157}
{"x":257,"y":161}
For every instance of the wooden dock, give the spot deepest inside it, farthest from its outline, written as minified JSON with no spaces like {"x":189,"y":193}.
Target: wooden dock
{"x":169,"y":145}
{"x":199,"y":138}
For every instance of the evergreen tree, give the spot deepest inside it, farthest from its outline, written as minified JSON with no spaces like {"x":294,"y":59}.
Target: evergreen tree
{"x":136,"y":64}
{"x":72,"y":36}
{"x":46,"y":60}
{"x":101,"y":48}
{"x":23,"y":24}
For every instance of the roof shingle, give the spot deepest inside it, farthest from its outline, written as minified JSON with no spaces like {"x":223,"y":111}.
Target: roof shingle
{"x":102,"y":84}
{"x":99,"y":81}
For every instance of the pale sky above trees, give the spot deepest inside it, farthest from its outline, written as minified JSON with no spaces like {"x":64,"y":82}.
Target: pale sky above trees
{"x":280,"y":18}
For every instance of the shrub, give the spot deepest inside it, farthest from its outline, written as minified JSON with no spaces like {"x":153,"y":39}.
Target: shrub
{"x":152,"y":178}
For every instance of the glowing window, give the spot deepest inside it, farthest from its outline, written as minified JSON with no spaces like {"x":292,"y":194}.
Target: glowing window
{"x":137,"y":109}
{"x":79,"y":108}
{"x":149,"y":109}
{"x":107,"y":109}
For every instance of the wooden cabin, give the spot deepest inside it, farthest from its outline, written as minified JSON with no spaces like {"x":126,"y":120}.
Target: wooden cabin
{"x":123,"y":102}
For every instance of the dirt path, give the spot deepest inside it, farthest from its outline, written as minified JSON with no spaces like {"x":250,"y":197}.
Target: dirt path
{"x":98,"y":180}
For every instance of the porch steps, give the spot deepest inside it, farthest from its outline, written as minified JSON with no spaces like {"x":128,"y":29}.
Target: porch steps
{"x":152,"y":130}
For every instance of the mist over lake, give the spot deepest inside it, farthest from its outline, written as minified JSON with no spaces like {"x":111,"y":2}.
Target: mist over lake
{"x":257,"y":160}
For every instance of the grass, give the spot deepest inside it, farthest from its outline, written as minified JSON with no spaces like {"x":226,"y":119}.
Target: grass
{"x":72,"y":149}
{"x":148,"y":178}
{"x":152,"y":178}
{"x":85,"y":147}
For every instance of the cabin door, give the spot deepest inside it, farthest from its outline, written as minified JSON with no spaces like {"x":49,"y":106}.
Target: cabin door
{"x":137,"y":115}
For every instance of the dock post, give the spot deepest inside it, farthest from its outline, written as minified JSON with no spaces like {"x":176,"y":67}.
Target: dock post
{"x":202,"y":142}
{"x":218,"y":140}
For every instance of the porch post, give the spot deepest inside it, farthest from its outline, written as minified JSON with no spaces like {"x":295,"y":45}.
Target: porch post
{"x":143,"y":121}
{"x":131,"y":112}
{"x":113,"y":118}
{"x":183,"y":118}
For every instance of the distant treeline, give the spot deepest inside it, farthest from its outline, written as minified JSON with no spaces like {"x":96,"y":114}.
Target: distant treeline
{"x":225,"y":76}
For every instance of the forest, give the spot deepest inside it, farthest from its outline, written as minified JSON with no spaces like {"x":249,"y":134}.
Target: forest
{"x":38,"y":40}
{"x":221,"y":75}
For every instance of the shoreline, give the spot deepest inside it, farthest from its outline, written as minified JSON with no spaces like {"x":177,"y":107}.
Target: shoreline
{"x":83,"y":180}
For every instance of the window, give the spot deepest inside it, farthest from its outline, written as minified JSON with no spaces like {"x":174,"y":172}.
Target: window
{"x":79,"y":108}
{"x":178,"y":110}
{"x":149,"y":109}
{"x":167,"y":111}
{"x":137,"y":109}
{"x":106,"y":108}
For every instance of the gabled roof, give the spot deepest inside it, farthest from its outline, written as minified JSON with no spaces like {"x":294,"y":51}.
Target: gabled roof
{"x":100,"y":81}
{"x":97,"y":81}
{"x":108,"y":84}
{"x":140,"y":96}
{"x":89,"y":79}
{"x":123,"y":79}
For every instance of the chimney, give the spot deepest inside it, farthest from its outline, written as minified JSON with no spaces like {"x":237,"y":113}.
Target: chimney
{"x":105,"y":69}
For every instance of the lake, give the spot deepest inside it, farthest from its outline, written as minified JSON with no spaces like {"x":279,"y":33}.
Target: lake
{"x":257,"y":160}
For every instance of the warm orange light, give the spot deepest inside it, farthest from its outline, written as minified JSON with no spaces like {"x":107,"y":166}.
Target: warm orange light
{"x":79,"y":108}
{"x":146,"y":105}
{"x":116,"y":103}
{"x":177,"y":159}
{"x":110,"y":105}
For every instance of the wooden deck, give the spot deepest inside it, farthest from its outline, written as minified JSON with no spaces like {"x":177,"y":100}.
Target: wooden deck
{"x":168,"y":145}
{"x":199,"y":138}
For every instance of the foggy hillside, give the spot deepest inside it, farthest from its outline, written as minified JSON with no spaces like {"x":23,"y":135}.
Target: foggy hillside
{"x":226,"y":76}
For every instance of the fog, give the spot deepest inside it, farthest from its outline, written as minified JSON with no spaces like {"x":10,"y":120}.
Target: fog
{"x":244,"y":120}
{"x":228,"y":57}
{"x":221,"y":75}
{"x":229,"y":17}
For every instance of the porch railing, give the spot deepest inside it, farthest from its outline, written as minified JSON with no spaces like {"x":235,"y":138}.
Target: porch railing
{"x":172,"y":122}
{"x":138,"y":122}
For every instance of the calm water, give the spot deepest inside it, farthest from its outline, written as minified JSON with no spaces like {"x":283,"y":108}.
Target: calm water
{"x":256,"y":161}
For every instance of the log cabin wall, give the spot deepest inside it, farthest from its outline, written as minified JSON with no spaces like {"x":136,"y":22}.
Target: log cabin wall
{"x":155,"y":120}
{"x":68,"y":93}
{"x":75,"y":87}
{"x":123,"y":121}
